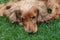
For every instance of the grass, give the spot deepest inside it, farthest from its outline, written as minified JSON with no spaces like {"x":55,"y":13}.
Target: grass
{"x":9,"y":31}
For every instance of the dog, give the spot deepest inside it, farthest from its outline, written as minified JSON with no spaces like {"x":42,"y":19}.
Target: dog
{"x":29,"y":12}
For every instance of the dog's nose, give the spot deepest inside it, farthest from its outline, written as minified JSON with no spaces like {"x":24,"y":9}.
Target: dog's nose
{"x":30,"y":32}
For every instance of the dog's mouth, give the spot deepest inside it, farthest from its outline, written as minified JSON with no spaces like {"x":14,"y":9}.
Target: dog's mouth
{"x":30,"y":27}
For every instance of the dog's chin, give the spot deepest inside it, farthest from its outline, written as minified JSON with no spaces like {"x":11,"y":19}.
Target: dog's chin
{"x":31,"y":29}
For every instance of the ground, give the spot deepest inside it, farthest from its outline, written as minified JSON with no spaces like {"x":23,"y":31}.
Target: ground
{"x":46,"y":31}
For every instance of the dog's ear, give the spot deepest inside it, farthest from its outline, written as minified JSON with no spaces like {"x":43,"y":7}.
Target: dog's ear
{"x":39,"y":16}
{"x":17,"y":13}
{"x":12,"y":17}
{"x":37,"y":11}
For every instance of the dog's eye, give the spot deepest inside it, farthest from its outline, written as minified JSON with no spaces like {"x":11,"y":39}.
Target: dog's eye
{"x":33,"y":17}
{"x":18,"y":13}
{"x":22,"y":19}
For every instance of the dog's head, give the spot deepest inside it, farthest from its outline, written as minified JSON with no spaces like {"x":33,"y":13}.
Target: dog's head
{"x":26,"y":13}
{"x":28,"y":19}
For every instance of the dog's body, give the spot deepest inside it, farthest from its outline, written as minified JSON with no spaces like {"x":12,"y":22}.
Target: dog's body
{"x":29,"y":12}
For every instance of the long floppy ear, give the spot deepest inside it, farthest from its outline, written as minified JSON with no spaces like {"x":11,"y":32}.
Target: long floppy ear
{"x":42,"y":11}
{"x":12,"y":17}
{"x":18,"y":14}
{"x":39,"y":17}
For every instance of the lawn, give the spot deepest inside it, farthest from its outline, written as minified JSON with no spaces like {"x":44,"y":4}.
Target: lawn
{"x":9,"y":31}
